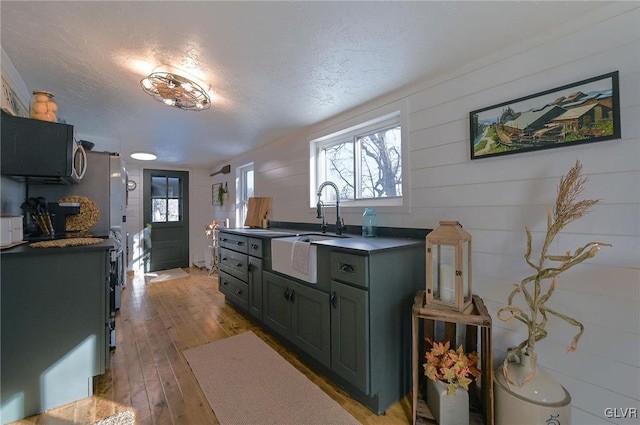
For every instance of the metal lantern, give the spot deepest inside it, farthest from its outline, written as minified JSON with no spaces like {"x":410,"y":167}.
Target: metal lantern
{"x":449,"y":267}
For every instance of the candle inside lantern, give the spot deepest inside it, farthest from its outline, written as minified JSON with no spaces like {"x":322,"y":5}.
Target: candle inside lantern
{"x":447,"y":283}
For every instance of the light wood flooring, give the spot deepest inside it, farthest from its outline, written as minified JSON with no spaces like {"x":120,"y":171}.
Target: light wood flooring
{"x":149,"y":373}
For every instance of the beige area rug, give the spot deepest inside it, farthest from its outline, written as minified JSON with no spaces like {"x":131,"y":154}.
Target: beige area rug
{"x":164,"y":275}
{"x":247,"y":382}
{"x":122,"y":418}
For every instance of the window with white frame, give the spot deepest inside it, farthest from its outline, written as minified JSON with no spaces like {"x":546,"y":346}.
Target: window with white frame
{"x":364,"y":161}
{"x":244,"y":189}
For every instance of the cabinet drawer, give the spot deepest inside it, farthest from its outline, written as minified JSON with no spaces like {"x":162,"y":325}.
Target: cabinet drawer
{"x":234,"y":263}
{"x":234,"y":290}
{"x":234,"y":242}
{"x":255,"y":247}
{"x":350,"y":268}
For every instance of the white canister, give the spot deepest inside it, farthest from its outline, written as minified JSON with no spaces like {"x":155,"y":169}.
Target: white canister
{"x":17,"y":233}
{"x":6,"y":225}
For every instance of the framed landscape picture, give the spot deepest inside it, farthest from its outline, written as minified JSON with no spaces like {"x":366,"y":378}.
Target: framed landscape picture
{"x":583,"y":112}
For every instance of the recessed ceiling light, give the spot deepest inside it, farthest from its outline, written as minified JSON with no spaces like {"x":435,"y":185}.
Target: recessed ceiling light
{"x":143,"y":156}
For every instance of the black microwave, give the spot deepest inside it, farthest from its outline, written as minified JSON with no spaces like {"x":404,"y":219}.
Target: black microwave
{"x":40,"y":151}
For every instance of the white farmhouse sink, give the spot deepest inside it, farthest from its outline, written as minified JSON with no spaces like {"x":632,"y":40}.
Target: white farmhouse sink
{"x":282,"y":256}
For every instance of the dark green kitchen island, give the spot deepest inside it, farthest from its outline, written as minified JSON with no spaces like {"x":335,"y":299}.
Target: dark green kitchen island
{"x":55,"y":319}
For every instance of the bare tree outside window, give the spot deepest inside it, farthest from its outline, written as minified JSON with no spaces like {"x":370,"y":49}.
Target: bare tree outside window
{"x":381,"y":164}
{"x":366,"y":166}
{"x":339,"y":169}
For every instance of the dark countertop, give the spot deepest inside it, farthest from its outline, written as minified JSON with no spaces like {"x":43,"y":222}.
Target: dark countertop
{"x":261,"y":233}
{"x":345,"y":241}
{"x":359,"y":243}
{"x":25,"y":249}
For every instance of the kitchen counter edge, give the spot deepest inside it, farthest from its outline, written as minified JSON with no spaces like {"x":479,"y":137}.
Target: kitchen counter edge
{"x":26,"y":249}
{"x":347,"y":241}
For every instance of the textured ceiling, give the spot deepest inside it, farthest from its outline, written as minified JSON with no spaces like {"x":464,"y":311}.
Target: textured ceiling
{"x":275,"y":67}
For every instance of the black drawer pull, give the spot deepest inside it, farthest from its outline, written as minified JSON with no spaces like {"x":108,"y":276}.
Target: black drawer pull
{"x":225,"y":283}
{"x":287,"y":293}
{"x":240,"y":243}
{"x":224,"y":258}
{"x":292,"y":295}
{"x":239,"y":291}
{"x":334,"y":299}
{"x":254,"y":246}
{"x":238,"y":265}
{"x":223,"y":239}
{"x":347,"y":268}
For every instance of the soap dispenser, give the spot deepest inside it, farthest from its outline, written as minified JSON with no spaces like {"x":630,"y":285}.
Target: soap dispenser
{"x":369,"y":223}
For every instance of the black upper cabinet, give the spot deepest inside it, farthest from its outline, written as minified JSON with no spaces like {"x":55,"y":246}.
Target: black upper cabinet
{"x":37,"y":151}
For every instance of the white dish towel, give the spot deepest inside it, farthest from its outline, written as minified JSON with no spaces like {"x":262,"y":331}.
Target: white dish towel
{"x":300,"y":256}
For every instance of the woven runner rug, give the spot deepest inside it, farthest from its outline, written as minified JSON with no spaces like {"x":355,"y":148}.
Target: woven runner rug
{"x":164,"y":275}
{"x":247,"y":382}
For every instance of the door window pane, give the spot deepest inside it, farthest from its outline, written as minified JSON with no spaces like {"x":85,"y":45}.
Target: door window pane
{"x":166,"y":198}
{"x":158,"y":187}
{"x":173,"y":210}
{"x":173,"y":187}
{"x":159,"y":210}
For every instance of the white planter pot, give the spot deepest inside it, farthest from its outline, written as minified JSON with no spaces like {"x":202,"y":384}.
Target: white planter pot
{"x":447,"y":409}
{"x":542,"y":401}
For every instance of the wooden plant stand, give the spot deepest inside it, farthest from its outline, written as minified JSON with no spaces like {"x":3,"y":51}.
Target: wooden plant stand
{"x":478,"y":318}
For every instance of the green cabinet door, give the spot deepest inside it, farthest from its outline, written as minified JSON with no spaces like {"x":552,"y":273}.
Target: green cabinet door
{"x":299,"y":314}
{"x":255,"y":287}
{"x":350,"y":334}
{"x":310,"y":322}
{"x":275,"y":303}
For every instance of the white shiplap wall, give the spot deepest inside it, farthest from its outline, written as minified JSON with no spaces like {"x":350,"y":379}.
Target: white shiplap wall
{"x":200,"y":211}
{"x":495,"y":198}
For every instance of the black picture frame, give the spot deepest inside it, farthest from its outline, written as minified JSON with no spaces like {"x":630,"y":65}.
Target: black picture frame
{"x":583,"y":112}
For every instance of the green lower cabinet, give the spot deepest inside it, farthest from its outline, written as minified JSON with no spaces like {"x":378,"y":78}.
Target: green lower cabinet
{"x":298,"y":313}
{"x":275,"y":303}
{"x":350,"y":334}
{"x":234,"y":290}
{"x":255,"y":287}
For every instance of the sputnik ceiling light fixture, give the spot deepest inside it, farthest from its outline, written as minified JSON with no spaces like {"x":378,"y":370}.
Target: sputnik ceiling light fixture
{"x":173,"y":89}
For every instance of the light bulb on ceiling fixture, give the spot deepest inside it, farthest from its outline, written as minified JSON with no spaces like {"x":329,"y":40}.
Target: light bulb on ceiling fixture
{"x":146,"y":83}
{"x":170,"y":102}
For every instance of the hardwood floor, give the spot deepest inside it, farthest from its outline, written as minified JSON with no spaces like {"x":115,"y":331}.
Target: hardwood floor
{"x":149,"y":373}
